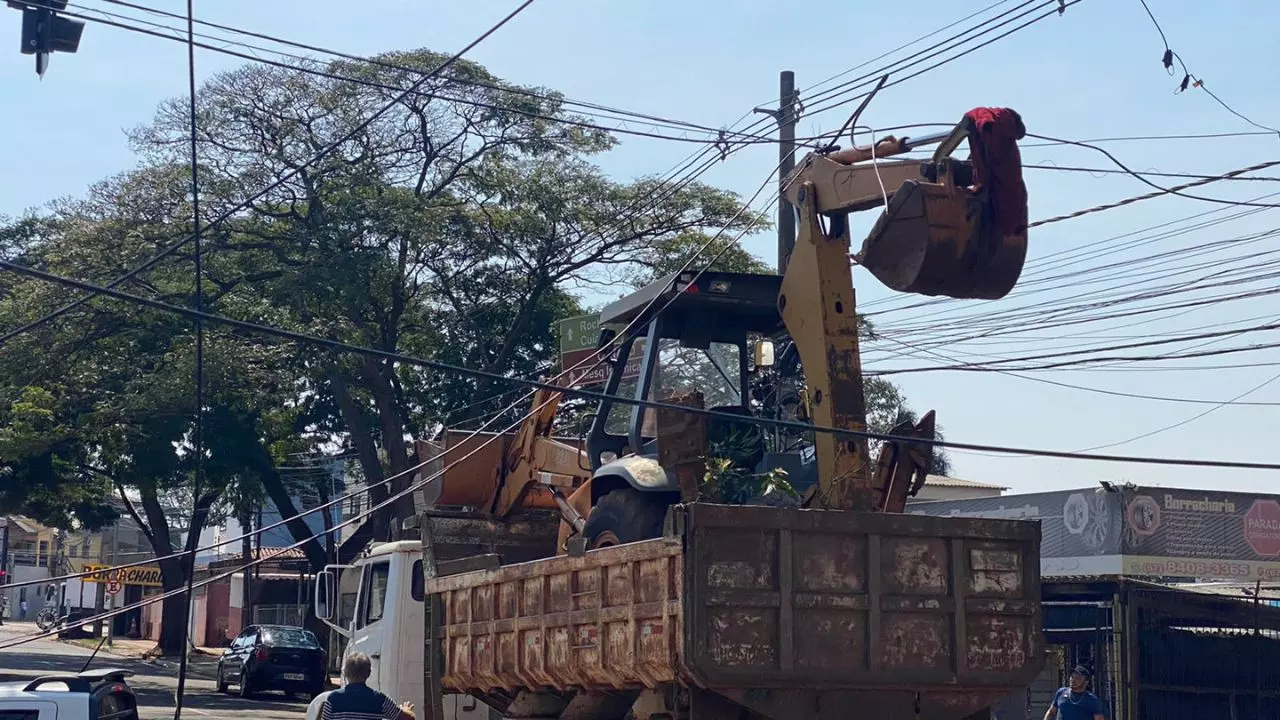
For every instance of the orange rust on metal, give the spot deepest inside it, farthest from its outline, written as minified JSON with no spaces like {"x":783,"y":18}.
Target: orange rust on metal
{"x":580,"y":499}
{"x":886,"y":147}
{"x":682,"y":443}
{"x":534,"y":458}
{"x":805,"y":608}
{"x":941,"y":239}
{"x":512,"y":472}
{"x":817,"y":305}
{"x":774,"y":608}
{"x":608,"y":619}
{"x":902,"y":467}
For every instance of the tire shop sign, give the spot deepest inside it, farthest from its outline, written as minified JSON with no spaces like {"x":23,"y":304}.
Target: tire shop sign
{"x":146,"y":576}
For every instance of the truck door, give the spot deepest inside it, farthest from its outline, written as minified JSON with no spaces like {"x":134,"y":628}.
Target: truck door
{"x":370,"y":630}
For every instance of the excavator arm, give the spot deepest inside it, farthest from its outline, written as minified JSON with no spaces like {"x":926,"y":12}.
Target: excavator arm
{"x":948,"y":228}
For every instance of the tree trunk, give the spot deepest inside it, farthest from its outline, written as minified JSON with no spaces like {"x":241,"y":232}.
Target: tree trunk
{"x":173,"y":609}
{"x":298,"y":528}
{"x":367,"y":453}
{"x":384,"y":397}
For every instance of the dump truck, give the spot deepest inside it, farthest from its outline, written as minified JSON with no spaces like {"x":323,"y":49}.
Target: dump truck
{"x":721,"y":542}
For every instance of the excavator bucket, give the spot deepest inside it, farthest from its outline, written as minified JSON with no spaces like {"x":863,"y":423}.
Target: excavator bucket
{"x":960,"y":229}
{"x":942,"y":239}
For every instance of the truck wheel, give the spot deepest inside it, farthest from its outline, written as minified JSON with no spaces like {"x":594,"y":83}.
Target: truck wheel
{"x":626,"y":515}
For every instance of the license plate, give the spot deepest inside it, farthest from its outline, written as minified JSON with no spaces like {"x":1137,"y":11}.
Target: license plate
{"x":294,"y":676}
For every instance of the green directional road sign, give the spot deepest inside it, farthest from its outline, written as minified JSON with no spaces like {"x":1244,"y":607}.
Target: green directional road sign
{"x":579,"y":333}
{"x":578,"y":338}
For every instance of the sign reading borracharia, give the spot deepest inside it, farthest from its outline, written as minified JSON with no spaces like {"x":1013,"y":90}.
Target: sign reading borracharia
{"x":1139,"y":531}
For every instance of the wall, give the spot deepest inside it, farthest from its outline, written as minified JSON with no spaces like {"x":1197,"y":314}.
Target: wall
{"x":33,"y":593}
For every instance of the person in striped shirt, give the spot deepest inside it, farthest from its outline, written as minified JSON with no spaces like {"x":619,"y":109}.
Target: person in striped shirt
{"x":356,"y":700}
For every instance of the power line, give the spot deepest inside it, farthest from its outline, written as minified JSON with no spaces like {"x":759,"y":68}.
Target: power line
{"x":455,"y":369}
{"x":1057,"y":7}
{"x":198,"y":431}
{"x":363,"y":125}
{"x":1176,"y":190}
{"x":1147,"y":173}
{"x":1189,"y":80}
{"x":297,"y":67}
{"x":1100,"y":391}
{"x":404,"y":68}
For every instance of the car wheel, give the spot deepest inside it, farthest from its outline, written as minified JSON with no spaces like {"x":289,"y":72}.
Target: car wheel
{"x":222,"y":680}
{"x":246,"y":689}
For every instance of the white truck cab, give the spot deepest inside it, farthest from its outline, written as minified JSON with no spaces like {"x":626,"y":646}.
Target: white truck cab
{"x":376,"y":603}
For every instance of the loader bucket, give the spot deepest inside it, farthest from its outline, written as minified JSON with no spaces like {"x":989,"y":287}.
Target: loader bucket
{"x":941,"y":239}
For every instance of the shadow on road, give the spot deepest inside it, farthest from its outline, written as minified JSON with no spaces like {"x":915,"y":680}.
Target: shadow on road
{"x":16,"y":665}
{"x":213,"y":701}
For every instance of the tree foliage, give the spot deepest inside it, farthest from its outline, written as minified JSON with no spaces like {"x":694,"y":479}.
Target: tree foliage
{"x":458,"y":225}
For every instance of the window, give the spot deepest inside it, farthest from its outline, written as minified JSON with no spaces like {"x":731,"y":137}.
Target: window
{"x":289,"y":637}
{"x":419,"y":587}
{"x":374,"y":596}
{"x":42,"y":555}
{"x":245,"y":638}
{"x":19,"y":714}
{"x":715,"y":372}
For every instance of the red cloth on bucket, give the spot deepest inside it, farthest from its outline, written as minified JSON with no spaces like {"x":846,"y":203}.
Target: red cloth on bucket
{"x":997,"y":164}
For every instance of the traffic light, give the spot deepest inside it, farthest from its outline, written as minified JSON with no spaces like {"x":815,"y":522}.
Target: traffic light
{"x":45,"y":32}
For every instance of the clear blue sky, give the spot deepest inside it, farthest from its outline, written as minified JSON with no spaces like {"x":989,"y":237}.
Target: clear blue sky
{"x":1092,"y":73}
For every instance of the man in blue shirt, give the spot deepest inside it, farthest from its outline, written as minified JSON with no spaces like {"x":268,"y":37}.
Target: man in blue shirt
{"x":1075,"y":702}
{"x":358,"y":701}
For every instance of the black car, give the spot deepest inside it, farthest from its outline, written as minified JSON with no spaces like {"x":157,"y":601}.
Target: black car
{"x":274,"y":657}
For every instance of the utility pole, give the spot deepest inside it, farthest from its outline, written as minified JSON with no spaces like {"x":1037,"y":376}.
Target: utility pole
{"x":115,"y":557}
{"x":785,"y":116}
{"x":4,"y":568}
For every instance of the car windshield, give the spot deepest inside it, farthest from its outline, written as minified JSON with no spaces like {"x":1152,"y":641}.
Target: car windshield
{"x":289,"y":637}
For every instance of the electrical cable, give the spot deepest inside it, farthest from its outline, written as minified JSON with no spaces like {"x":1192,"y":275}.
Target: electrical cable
{"x":363,"y":125}
{"x":675,"y":124}
{"x":1175,"y":190}
{"x":198,"y":430}
{"x":967,"y":51}
{"x":1191,"y":80}
{"x":598,"y":355}
{"x":1103,"y":391}
{"x":458,"y":370}
{"x":1148,"y":173}
{"x":1140,"y":178}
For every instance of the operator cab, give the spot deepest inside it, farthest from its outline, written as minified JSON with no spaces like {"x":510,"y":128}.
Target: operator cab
{"x":688,"y":331}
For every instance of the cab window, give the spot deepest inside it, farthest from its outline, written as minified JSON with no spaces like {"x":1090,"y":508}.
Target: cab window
{"x":373,"y":596}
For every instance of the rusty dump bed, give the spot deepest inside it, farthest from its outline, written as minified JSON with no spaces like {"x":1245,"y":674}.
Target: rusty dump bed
{"x":768,"y":607}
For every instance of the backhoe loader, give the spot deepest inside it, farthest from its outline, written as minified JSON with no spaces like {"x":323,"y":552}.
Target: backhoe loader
{"x":663,"y":584}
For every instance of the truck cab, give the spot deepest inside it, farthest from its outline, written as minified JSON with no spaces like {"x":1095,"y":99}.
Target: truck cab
{"x":376,"y":604}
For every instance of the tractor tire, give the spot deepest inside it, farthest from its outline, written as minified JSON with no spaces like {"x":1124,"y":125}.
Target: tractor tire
{"x":626,"y":515}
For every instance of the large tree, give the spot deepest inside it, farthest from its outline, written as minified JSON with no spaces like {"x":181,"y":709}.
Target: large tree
{"x":453,"y":228}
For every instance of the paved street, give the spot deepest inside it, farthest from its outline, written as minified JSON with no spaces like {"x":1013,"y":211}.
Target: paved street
{"x":155,"y":682}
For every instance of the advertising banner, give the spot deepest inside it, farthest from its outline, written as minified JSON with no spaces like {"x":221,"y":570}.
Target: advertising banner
{"x":1201,"y":534}
{"x":1081,"y":530}
{"x":1142,"y":531}
{"x":146,"y":576}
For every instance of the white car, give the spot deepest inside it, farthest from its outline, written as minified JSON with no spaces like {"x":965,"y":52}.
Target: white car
{"x":91,"y":695}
